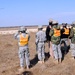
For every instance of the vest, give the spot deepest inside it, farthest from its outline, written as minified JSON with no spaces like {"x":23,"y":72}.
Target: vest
{"x":23,"y":40}
{"x":66,"y":31}
{"x":56,"y":33}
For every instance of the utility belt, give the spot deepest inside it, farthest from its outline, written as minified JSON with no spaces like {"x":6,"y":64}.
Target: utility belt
{"x":23,"y":45}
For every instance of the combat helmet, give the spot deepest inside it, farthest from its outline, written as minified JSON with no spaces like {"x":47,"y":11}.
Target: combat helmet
{"x":40,"y":27}
{"x":22,"y":28}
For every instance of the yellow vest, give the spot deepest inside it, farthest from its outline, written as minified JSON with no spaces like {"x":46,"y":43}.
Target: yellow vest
{"x":23,"y":40}
{"x":56,"y":32}
{"x":66,"y":31}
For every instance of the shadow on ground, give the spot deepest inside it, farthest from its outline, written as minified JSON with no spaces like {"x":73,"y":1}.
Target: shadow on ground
{"x":27,"y":73}
{"x":34,"y":61}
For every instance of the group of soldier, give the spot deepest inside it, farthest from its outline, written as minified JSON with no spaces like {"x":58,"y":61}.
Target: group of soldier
{"x":60,"y":39}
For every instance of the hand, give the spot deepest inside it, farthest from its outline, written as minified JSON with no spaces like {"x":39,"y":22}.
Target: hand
{"x":61,"y":27}
{"x":50,"y":26}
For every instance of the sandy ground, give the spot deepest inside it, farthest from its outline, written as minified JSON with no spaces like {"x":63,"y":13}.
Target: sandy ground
{"x":9,"y":61}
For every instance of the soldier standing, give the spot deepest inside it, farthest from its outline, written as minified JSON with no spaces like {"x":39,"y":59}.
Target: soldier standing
{"x":23,"y":39}
{"x":55,"y":39}
{"x":48,"y":37}
{"x":40,"y":43}
{"x":72,"y":36}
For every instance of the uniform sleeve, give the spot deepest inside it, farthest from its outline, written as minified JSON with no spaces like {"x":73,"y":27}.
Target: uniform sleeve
{"x":37,"y":40}
{"x":44,"y":36}
{"x":51,"y":32}
{"x":16,"y":36}
{"x":28,"y":37}
{"x":71,"y":33}
{"x":47,"y":31}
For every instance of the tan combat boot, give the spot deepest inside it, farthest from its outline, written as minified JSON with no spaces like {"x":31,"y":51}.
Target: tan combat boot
{"x":56,"y":61}
{"x":60,"y":60}
{"x":43,"y":61}
{"x":40,"y":62}
{"x":27,"y":67}
{"x":72,"y":58}
{"x":21,"y":70}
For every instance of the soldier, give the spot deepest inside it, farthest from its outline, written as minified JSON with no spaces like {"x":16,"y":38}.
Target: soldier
{"x":55,"y":39}
{"x":72,"y":36}
{"x":48,"y":37}
{"x":23,"y":39}
{"x":40,"y":43}
{"x":63,"y":44}
{"x":64,"y":37}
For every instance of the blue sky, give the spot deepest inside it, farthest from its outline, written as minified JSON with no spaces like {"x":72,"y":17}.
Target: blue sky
{"x":35,"y":12}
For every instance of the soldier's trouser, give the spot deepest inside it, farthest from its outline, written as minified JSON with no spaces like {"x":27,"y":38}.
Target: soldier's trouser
{"x":51,"y":51}
{"x":57,"y":51}
{"x":73,"y":49}
{"x":41,"y":51}
{"x":24,"y":56}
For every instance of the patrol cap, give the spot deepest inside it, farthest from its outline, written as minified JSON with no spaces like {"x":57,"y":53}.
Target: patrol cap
{"x":40,"y":27}
{"x":22,"y":28}
{"x":54,"y":22}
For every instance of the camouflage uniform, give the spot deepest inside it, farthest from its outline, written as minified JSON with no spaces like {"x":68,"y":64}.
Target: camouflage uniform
{"x":72,"y":36}
{"x":23,"y":50}
{"x":40,"y":43}
{"x":55,"y":42}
